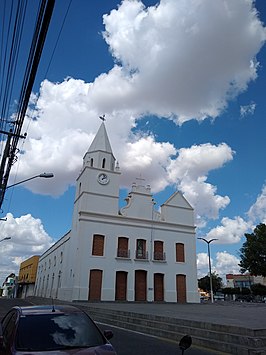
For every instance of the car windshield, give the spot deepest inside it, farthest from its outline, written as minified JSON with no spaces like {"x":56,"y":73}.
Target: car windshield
{"x":57,"y":331}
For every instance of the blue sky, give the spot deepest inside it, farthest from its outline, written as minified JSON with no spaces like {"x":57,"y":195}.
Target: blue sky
{"x":182,"y":84}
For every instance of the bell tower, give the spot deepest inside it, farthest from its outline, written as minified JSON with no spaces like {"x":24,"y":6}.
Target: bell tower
{"x":97,"y":188}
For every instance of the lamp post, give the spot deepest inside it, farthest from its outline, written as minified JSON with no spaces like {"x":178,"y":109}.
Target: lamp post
{"x":209,"y":256}
{"x":6,"y":238}
{"x":43,"y":175}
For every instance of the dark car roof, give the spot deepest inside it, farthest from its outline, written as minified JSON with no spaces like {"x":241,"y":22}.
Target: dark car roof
{"x":47,"y":309}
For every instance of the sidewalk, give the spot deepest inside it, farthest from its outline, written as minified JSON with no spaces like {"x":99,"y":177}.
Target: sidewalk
{"x":247,"y":315}
{"x":241,"y":314}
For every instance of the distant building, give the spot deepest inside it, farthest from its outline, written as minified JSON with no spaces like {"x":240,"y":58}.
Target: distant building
{"x":27,"y":276}
{"x":10,"y":286}
{"x":133,"y":254}
{"x":244,"y":280}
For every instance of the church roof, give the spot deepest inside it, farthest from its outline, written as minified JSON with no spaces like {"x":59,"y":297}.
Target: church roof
{"x":101,"y":141}
{"x":177,"y":200}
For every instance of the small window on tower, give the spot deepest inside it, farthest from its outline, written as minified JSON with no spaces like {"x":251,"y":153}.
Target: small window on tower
{"x":103,"y":163}
{"x":91,"y":162}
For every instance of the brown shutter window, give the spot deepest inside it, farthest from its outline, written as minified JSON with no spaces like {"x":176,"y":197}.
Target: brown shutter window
{"x":158,"y":250}
{"x":98,"y":245}
{"x":122,"y":250}
{"x":180,"y":252}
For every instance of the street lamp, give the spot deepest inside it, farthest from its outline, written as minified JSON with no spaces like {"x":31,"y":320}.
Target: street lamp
{"x":210,"y":270}
{"x":6,"y":238}
{"x":43,"y":175}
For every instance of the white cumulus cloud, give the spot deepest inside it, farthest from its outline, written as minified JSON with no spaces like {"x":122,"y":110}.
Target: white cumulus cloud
{"x":222,"y":263}
{"x":247,"y":109}
{"x":184,"y":59}
{"x":190,"y":171}
{"x":257,"y":212}
{"x":230,"y":231}
{"x":226,"y":263}
{"x":28,"y":238}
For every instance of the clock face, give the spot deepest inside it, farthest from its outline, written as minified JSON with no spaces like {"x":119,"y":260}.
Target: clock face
{"x":103,"y":178}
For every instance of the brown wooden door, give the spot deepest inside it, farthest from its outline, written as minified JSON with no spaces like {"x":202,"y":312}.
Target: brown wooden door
{"x":95,"y":285}
{"x":158,"y":287}
{"x":181,"y":292}
{"x":140,"y":285}
{"x":121,"y":286}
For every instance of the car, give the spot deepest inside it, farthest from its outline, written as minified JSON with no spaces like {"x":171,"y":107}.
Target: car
{"x":52,"y":329}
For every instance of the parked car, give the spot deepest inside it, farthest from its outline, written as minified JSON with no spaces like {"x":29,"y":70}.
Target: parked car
{"x":59,"y":329}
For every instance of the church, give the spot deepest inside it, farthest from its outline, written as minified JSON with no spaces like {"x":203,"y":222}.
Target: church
{"x":134,"y":253}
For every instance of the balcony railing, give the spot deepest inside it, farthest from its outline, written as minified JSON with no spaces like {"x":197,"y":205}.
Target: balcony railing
{"x":122,"y":253}
{"x":158,"y":255}
{"x":142,"y":255}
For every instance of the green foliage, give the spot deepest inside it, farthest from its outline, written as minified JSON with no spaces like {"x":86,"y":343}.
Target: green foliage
{"x":258,"y":289}
{"x":231,"y":291}
{"x":253,"y":252}
{"x":236,"y":291}
{"x":245,"y":291}
{"x":204,"y":283}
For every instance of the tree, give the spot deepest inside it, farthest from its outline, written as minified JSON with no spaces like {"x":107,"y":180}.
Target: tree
{"x":258,"y":289}
{"x":253,"y":252}
{"x":231,"y":291}
{"x":204,"y":283}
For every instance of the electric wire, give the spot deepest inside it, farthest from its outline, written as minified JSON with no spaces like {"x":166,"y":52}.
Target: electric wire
{"x":9,"y":76}
{"x":58,"y":37}
{"x":42,"y":25}
{"x":5,"y":59}
{"x":14,"y":60}
{"x":40,"y":31}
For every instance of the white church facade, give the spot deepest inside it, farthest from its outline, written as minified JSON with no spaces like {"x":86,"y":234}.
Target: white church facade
{"x":130,"y":254}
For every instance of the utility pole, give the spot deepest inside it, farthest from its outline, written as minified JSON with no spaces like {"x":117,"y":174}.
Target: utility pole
{"x":39,"y":36}
{"x":6,"y":156}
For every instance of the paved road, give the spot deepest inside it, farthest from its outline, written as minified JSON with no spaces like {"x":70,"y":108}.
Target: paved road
{"x":126,"y":342}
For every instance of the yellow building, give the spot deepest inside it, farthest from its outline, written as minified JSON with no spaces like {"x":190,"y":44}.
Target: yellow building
{"x":27,"y":276}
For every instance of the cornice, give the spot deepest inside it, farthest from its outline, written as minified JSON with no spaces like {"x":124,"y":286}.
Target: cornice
{"x":135,"y":222}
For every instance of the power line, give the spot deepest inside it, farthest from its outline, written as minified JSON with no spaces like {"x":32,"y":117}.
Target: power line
{"x":39,"y":36}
